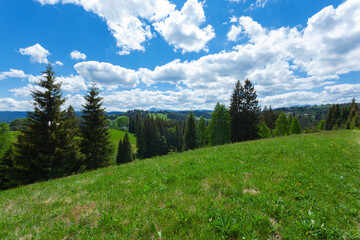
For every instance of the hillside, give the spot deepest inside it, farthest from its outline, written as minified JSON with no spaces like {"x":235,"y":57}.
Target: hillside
{"x":290,"y":188}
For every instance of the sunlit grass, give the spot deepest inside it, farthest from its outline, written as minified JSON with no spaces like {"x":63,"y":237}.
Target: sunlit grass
{"x":296,"y":187}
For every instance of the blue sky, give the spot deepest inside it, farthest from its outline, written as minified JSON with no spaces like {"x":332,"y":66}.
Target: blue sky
{"x":181,"y":54}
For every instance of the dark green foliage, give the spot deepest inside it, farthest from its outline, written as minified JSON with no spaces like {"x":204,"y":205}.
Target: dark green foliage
{"x":321,"y":125}
{"x":353,"y":120}
{"x":219,"y":128}
{"x":201,"y":132}
{"x":269,"y":117}
{"x":329,"y":123}
{"x":95,"y":143}
{"x":4,"y":137}
{"x":244,"y":112}
{"x":281,"y":125}
{"x":190,"y":133}
{"x":17,"y":124}
{"x":8,"y":174}
{"x":124,"y":154}
{"x":151,"y":139}
{"x":264,"y":130}
{"x":295,"y":126}
{"x":132,"y":125}
{"x":46,"y":147}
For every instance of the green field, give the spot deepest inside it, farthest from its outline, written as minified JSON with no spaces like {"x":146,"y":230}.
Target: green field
{"x":295,"y":187}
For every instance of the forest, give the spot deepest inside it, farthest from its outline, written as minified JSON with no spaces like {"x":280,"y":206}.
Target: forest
{"x":54,"y":142}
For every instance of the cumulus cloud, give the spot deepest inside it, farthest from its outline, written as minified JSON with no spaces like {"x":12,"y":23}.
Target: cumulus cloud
{"x":12,"y":73}
{"x":130,"y":22}
{"x":182,"y":28}
{"x":77,"y":55}
{"x":72,"y":83}
{"x":37,"y":53}
{"x":107,"y":75}
{"x":59,"y":63}
{"x":10,"y":104}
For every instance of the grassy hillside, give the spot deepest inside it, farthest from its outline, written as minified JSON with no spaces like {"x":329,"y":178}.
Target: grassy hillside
{"x":295,"y":187}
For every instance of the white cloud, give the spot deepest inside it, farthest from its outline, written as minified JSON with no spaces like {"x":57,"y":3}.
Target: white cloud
{"x":24,"y":91}
{"x":128,"y":20}
{"x":10,"y":104}
{"x":13,"y":73}
{"x":37,"y":53}
{"x":77,"y":55}
{"x":107,"y":75}
{"x":72,"y":83}
{"x":182,"y":28}
{"x":59,"y":63}
{"x":234,"y":32}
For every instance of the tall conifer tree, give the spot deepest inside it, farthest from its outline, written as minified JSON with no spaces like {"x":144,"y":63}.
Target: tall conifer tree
{"x":95,"y":144}
{"x":45,"y":147}
{"x":190,"y":132}
{"x":219,"y":128}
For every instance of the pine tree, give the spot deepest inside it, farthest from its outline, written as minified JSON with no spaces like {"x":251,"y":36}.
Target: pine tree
{"x":95,"y":144}
{"x":353,"y":120}
{"x":264,"y":131}
{"x":281,"y":125}
{"x":236,"y":105}
{"x":219,"y":128}
{"x":201,"y":132}
{"x":295,"y":126}
{"x":329,"y":121}
{"x":190,"y":133}
{"x":321,"y":125}
{"x":45,"y":147}
{"x":244,"y":113}
{"x":124,"y":154}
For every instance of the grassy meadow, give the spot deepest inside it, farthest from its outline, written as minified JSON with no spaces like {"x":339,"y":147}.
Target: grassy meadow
{"x":295,"y":187}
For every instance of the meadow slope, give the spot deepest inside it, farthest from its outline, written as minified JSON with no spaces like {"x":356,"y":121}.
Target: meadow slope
{"x":295,"y":187}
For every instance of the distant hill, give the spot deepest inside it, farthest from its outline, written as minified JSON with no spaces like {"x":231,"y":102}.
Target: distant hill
{"x":7,"y":116}
{"x":294,"y":187}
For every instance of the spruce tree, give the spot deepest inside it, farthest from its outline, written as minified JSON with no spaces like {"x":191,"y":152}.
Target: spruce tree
{"x":295,"y":126}
{"x":124,"y":154}
{"x":190,"y":133}
{"x":236,"y":105}
{"x":353,"y":120}
{"x":321,"y":125}
{"x":45,"y":147}
{"x":329,"y":120}
{"x":219,"y":128}
{"x":95,"y":143}
{"x":281,"y":125}
{"x":201,"y":132}
{"x":244,"y":112}
{"x":264,"y":130}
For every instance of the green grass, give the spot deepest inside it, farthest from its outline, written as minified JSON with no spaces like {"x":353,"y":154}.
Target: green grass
{"x":115,"y":136}
{"x":295,"y":187}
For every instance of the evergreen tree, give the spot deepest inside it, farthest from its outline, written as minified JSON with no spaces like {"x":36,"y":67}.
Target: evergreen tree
{"x":201,"y":132}
{"x":336,"y":117}
{"x":132,"y":125}
{"x":4,"y":137}
{"x":295,"y":126}
{"x":45,"y":147}
{"x":329,"y":120}
{"x":236,"y":105}
{"x":353,"y":119}
{"x":281,"y":125}
{"x":321,"y":125}
{"x":9,"y":177}
{"x":190,"y":133}
{"x":264,"y":131}
{"x":124,"y":154}
{"x":219,"y":128}
{"x":244,"y":113}
{"x":95,"y":144}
